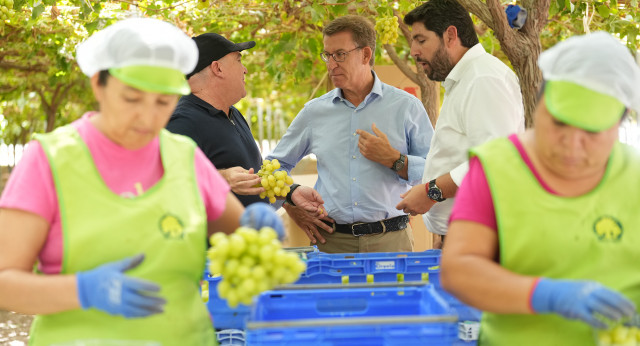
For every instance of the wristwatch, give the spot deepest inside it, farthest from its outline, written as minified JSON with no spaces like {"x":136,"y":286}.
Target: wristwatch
{"x":399,"y":164}
{"x":288,"y":197}
{"x":434,"y":192}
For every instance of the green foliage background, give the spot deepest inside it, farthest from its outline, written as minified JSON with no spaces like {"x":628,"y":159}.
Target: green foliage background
{"x":41,"y":86}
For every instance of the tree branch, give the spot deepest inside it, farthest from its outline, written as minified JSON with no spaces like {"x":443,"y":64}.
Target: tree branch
{"x":324,"y":78}
{"x":12,"y":66}
{"x":479,"y":9}
{"x":402,"y":65}
{"x":5,"y":89}
{"x":501,"y":27}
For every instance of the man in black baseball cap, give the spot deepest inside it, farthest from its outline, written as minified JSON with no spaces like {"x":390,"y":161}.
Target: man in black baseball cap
{"x":208,"y":116}
{"x":213,"y":46}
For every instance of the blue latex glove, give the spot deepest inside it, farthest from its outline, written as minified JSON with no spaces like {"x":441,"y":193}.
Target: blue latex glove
{"x":107,"y":288}
{"x":580,"y":300}
{"x":258,"y":215}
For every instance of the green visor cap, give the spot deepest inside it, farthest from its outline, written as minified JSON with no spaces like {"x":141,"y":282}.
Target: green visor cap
{"x":163,"y":80}
{"x":581,"y":107}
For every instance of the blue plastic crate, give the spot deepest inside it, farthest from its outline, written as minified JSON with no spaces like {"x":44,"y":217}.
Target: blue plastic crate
{"x":324,"y":268}
{"x":224,"y":317}
{"x":375,"y":316}
{"x":462,"y":310}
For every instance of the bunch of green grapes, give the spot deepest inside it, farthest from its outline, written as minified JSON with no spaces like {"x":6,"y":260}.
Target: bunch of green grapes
{"x":276,"y":183}
{"x":387,"y":28}
{"x":6,"y":10}
{"x":619,"y":336}
{"x":251,"y":262}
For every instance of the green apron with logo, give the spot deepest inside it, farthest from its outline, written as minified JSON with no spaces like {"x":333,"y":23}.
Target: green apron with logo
{"x":595,"y":236}
{"x":167,"y":224}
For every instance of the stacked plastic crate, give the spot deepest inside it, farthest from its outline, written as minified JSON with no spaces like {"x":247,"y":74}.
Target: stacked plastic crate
{"x":352,"y":299}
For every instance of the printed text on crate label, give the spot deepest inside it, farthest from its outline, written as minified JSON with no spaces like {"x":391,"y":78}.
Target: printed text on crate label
{"x":385,"y":265}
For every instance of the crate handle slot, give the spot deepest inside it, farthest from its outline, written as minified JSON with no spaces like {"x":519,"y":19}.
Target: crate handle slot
{"x":333,"y":306}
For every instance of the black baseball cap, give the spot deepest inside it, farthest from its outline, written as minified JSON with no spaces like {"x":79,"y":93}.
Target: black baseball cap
{"x":212,"y":47}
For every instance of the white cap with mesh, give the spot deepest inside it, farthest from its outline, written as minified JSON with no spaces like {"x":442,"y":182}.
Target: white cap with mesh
{"x":148,"y":54}
{"x":590,"y":80}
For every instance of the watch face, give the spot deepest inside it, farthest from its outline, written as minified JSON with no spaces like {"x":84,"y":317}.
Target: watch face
{"x":399,"y":164}
{"x":435,"y":194}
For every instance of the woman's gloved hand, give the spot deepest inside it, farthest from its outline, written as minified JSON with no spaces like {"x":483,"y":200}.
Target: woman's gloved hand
{"x":580,"y":300}
{"x":258,"y":215}
{"x":107,"y":288}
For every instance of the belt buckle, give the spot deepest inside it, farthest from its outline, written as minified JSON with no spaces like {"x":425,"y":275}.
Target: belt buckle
{"x":368,"y":224}
{"x":353,"y":231}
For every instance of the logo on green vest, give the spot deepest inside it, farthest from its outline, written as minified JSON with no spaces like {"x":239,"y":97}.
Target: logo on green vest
{"x":171,"y":227}
{"x":607,"y":228}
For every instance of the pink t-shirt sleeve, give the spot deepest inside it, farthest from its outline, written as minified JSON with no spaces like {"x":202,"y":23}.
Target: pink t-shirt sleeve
{"x":473,"y":199}
{"x":213,"y":188}
{"x":30,"y":187}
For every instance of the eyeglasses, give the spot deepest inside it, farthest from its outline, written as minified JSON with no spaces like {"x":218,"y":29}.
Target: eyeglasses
{"x":337,"y":57}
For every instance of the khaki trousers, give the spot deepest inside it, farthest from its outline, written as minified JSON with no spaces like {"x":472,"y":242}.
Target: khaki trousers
{"x":396,"y":241}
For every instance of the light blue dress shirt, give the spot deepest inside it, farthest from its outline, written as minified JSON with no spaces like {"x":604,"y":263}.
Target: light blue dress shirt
{"x":354,"y":188}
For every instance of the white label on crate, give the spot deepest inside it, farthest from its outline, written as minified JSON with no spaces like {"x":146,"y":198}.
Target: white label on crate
{"x":468,"y":330}
{"x":385,"y":265}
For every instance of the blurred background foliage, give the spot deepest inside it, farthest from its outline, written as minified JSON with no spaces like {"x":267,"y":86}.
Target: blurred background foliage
{"x":41,"y":86}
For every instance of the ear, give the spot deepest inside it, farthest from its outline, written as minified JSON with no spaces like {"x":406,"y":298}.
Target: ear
{"x":96,"y":88}
{"x":367,"y":55}
{"x":450,"y":36}
{"x":216,"y":68}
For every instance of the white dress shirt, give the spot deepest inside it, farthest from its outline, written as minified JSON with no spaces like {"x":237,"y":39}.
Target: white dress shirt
{"x":482,"y":101}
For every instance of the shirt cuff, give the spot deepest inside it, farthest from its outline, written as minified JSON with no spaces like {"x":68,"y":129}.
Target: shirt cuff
{"x":415,"y":169}
{"x":458,"y":173}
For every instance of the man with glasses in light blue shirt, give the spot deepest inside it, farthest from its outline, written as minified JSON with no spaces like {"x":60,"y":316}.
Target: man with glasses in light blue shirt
{"x":370,"y":139}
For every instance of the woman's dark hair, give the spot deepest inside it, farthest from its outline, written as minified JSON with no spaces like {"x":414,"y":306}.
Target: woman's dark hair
{"x":540,"y":90}
{"x":102,"y":77}
{"x":438,"y":15}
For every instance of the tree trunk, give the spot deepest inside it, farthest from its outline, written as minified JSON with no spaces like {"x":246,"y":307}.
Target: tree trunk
{"x":430,"y":96}
{"x":526,"y":68}
{"x":522,"y":47}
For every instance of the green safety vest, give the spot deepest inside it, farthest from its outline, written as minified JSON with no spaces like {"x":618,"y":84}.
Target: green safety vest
{"x":595,"y":236}
{"x":167,"y":223}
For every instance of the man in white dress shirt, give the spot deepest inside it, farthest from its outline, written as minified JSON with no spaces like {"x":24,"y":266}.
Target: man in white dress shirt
{"x":482,"y":101}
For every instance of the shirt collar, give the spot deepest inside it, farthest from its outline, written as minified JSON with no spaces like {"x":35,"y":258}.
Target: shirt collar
{"x":376,"y":90}
{"x":204,"y":104}
{"x":457,"y":71}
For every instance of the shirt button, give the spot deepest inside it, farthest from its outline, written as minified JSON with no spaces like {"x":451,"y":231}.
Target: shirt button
{"x":354,"y":179}
{"x":354,"y":134}
{"x":353,"y":156}
{"x":356,"y":203}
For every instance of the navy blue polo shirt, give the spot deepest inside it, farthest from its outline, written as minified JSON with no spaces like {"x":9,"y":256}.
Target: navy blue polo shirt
{"x":226,"y":141}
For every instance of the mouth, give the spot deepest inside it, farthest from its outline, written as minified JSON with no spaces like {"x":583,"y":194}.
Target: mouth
{"x":424,"y":64}
{"x":143,"y":132}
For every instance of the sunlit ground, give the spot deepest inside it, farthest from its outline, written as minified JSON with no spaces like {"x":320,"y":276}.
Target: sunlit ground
{"x":14,"y":328}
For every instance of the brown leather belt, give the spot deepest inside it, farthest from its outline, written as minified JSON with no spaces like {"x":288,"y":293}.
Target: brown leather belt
{"x":366,"y":228}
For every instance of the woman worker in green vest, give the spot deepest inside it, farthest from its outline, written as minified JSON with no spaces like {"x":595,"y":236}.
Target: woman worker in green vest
{"x":545,"y":234}
{"x":114,"y":210}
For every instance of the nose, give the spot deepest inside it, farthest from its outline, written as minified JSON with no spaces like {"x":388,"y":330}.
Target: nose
{"x":245,"y":69}
{"x":573,"y":137}
{"x":147,"y":113}
{"x":413,"y":50}
{"x":331,"y":63}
